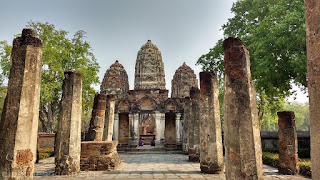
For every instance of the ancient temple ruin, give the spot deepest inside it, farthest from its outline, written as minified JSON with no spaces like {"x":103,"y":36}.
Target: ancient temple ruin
{"x":146,"y":111}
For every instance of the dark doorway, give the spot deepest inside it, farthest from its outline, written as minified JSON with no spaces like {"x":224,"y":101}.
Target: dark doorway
{"x":123,"y":129}
{"x":170,"y":130}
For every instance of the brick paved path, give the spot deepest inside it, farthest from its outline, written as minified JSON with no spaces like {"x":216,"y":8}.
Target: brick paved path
{"x":149,"y":166}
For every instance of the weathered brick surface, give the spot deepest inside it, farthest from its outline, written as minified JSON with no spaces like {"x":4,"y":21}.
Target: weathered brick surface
{"x":95,"y":131}
{"x":99,"y":156}
{"x":312,"y":14}
{"x":182,"y":81}
{"x":243,"y":156}
{"x":45,"y":140}
{"x":151,"y":76}
{"x":211,"y":151}
{"x":68,"y":138}
{"x":115,"y":81}
{"x":288,"y":144}
{"x":19,"y":122}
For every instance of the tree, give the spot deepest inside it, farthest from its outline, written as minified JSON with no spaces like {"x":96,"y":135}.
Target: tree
{"x":274,"y":33}
{"x":301,"y":112}
{"x":59,"y":54}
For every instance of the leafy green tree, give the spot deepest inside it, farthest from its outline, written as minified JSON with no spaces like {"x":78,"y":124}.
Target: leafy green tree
{"x":60,"y":53}
{"x":274,"y":33}
{"x":301,"y":112}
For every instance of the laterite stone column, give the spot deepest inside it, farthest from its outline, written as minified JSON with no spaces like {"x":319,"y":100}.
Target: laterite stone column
{"x":312,"y":14}
{"x":95,"y":132}
{"x":211,"y":148}
{"x":20,"y":115}
{"x":194,"y":131}
{"x":288,"y":144}
{"x":109,"y":121}
{"x":68,"y":137}
{"x":185,"y":130}
{"x":243,"y":156}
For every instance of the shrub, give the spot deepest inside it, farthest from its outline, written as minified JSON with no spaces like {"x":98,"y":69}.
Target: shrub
{"x":45,"y":153}
{"x":302,"y":152}
{"x":270,"y":159}
{"x":273,"y":160}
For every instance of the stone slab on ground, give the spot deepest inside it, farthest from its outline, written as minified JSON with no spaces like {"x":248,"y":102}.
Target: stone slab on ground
{"x":150,"y":166}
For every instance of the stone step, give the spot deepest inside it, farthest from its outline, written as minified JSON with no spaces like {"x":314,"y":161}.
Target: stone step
{"x":151,"y":152}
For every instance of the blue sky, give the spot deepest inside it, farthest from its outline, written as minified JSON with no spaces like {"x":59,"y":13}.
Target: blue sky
{"x":183,"y":30}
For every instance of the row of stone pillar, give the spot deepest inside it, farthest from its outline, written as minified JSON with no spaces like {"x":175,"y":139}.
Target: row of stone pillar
{"x":19,"y":122}
{"x":202,"y":138}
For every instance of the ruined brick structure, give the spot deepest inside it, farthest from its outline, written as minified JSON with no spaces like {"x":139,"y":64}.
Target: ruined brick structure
{"x":115,"y":81}
{"x":183,"y":79}
{"x":146,"y":111}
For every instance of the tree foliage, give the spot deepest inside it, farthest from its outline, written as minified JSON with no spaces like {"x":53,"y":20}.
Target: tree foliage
{"x":274,"y":33}
{"x":301,"y":112}
{"x":60,"y":53}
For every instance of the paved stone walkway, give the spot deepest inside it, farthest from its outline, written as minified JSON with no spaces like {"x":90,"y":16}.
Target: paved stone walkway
{"x":149,"y":166}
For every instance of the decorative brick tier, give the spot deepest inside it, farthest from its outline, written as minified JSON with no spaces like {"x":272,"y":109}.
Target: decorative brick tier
{"x":99,"y":156}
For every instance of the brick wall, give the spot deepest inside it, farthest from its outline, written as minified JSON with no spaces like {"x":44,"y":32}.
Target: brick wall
{"x":45,"y":140}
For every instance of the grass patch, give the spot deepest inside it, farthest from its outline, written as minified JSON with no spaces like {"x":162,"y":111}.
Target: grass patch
{"x":302,"y":152}
{"x":272,"y":159}
{"x":45,"y":153}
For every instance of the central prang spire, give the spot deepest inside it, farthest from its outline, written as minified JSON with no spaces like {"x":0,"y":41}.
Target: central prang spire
{"x":149,"y":71}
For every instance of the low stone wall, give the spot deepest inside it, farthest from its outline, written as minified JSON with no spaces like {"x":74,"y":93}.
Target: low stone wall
{"x":269,"y":139}
{"x":45,"y":140}
{"x":99,"y":156}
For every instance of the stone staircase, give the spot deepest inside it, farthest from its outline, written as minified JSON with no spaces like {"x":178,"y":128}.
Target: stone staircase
{"x":148,"y":149}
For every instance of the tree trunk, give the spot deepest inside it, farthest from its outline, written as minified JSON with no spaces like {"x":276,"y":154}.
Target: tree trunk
{"x":261,"y":112}
{"x":47,"y":116}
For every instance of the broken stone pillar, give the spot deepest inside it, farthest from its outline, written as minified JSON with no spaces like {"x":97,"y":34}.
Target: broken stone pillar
{"x":312,"y":14}
{"x":109,"y":120}
{"x":95,"y":131}
{"x":68,"y":136}
{"x":185,"y":130}
{"x":288,"y":144}
{"x":194,"y":131}
{"x":211,"y":150}
{"x":19,"y":122}
{"x":243,"y":156}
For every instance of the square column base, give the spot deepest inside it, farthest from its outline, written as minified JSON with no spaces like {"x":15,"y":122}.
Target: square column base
{"x":99,"y":156}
